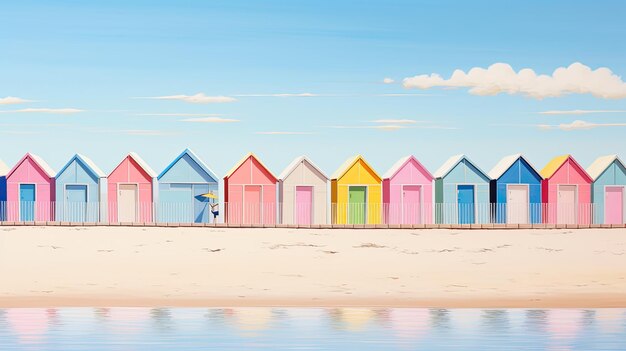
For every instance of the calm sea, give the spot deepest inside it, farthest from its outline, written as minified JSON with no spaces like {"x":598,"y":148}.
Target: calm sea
{"x":311,"y":329}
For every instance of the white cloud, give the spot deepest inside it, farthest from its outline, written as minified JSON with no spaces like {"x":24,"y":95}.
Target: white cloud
{"x":178,"y":114}
{"x":284,"y":133}
{"x":199,"y":98}
{"x":501,"y":78}
{"x":210,"y":120}
{"x":12,"y":100}
{"x":388,"y":81}
{"x":58,"y":111}
{"x":279,"y":95}
{"x":578,"y":112}
{"x":579,"y":125}
{"x":395,"y":121}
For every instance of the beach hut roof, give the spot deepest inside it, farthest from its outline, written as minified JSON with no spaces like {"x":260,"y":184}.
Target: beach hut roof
{"x":556,"y":163}
{"x":142,"y":164}
{"x":449,"y":165}
{"x":39,"y":161}
{"x":86,"y":161}
{"x":598,"y":166}
{"x":246,"y":157}
{"x":196,"y":159}
{"x":400,"y":163}
{"x":505,"y":163}
{"x":294,"y":164}
{"x":345,"y":167}
{"x":4,"y":169}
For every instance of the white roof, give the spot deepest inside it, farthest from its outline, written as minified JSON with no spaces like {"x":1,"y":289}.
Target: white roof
{"x":92,"y":165}
{"x":601,"y":164}
{"x":398,"y":165}
{"x":143,"y":164}
{"x":505,"y":163}
{"x":294,"y":164}
{"x":451,"y":163}
{"x":44,"y":165}
{"x":4,"y":169}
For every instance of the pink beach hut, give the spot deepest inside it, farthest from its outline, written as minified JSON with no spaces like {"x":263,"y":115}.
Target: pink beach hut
{"x":250,"y":193}
{"x":407,"y":193}
{"x":30,"y":190}
{"x":566,"y":192}
{"x":131,"y":191}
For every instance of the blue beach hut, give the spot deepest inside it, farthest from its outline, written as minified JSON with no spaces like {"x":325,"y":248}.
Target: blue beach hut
{"x":608,"y":191}
{"x":461,"y":192}
{"x":181,"y":186}
{"x":80,"y":191}
{"x":515,"y":191}
{"x":3,"y":190}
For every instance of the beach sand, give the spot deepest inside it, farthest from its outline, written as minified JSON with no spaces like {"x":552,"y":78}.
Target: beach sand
{"x":218,"y":267}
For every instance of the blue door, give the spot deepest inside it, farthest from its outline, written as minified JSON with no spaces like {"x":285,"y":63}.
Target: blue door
{"x":27,"y":202}
{"x":201,"y":203}
{"x":75,"y":202}
{"x":466,"y":204}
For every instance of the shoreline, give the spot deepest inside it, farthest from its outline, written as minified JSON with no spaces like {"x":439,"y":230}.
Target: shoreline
{"x":238,"y":267}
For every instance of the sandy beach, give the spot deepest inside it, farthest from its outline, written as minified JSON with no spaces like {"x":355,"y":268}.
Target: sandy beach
{"x":215,"y":267}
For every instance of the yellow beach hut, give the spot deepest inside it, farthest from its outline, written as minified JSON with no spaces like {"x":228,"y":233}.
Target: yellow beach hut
{"x":356,"y":193}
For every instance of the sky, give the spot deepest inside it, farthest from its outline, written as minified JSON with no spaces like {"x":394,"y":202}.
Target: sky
{"x":326,"y":79}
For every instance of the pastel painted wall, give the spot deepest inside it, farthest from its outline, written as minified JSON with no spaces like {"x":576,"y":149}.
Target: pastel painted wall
{"x":78,"y":173}
{"x":359,"y":174}
{"x":446,"y":193}
{"x":304,"y":175}
{"x":130,"y":172}
{"x":410,"y":174}
{"x":519,"y":173}
{"x":250,"y":194}
{"x":569,"y":173}
{"x":3,"y":198}
{"x":180,"y":190}
{"x":27,"y":171}
{"x":615,"y":174}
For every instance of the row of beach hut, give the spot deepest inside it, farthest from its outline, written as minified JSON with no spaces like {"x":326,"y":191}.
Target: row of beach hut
{"x":459,"y":192}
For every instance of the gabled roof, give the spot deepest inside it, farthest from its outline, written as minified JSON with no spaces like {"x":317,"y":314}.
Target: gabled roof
{"x":452,"y":162}
{"x":196,"y":159}
{"x":4,"y":169}
{"x":600,"y":165}
{"x":345,"y":167}
{"x":556,"y":163}
{"x":505,"y":163}
{"x":142,"y":164}
{"x":400,"y":164}
{"x":244,"y":159}
{"x":294,"y":164}
{"x":38,"y":161}
{"x":87,"y":162}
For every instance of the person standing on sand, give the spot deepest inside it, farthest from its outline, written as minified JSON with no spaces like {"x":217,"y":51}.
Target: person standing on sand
{"x":215,"y":210}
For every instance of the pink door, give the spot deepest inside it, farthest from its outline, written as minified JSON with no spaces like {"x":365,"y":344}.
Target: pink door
{"x":304,"y":204}
{"x":411,"y":204}
{"x":566,"y":204}
{"x":252,"y":204}
{"x":614,"y":205}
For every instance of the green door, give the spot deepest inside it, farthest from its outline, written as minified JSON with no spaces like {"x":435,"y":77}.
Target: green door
{"x":356,"y":205}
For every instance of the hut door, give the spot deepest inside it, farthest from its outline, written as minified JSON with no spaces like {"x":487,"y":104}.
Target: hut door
{"x":75,"y":202}
{"x":27,"y":202}
{"x":411,"y":204}
{"x":127,"y":203}
{"x":356,"y":205}
{"x":566,"y":204}
{"x":304,"y":204}
{"x":517,"y":204}
{"x":252,"y":205}
{"x":614,"y":205}
{"x":466,"y":209}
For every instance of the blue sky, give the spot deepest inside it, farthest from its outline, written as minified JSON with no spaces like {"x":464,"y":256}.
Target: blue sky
{"x":106,"y":58}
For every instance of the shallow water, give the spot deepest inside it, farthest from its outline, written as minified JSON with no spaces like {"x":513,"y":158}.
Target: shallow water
{"x":311,"y":329}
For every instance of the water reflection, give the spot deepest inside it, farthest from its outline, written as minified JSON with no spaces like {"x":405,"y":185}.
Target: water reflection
{"x":156,"y":329}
